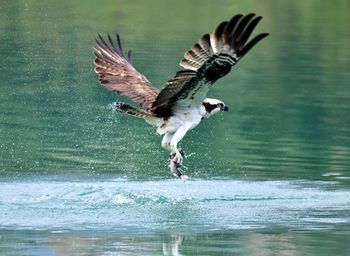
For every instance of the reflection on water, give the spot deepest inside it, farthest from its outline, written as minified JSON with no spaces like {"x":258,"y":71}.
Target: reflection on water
{"x":172,"y":247}
{"x":240,"y":242}
{"x":281,"y":155}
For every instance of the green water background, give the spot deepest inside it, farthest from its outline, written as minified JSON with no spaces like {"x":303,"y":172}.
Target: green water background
{"x":289,"y":97}
{"x":289,"y":120}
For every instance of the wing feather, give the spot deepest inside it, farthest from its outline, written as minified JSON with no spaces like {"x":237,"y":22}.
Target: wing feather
{"x":116,"y":72}
{"x":205,"y":46}
{"x":208,"y":60}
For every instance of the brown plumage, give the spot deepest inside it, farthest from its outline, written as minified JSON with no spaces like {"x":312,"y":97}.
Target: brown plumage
{"x":116,"y":72}
{"x":211,"y":58}
{"x":181,"y":104}
{"x":208,"y":60}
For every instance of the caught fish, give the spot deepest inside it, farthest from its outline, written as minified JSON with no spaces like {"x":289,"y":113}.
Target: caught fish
{"x":175,"y":167}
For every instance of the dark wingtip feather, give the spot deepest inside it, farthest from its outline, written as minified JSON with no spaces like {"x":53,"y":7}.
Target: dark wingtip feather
{"x":220,"y":29}
{"x":112,"y":45}
{"x":251,"y":14}
{"x":120,"y":45}
{"x":231,"y":27}
{"x":99,"y":36}
{"x":98,"y":39}
{"x":130,"y":56}
{"x":247,"y":32}
{"x":253,"y":42}
{"x":239,"y":30}
{"x":232,"y":24}
{"x":102,"y":41}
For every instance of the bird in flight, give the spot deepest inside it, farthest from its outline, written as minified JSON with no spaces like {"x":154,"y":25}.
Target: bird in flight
{"x":182,"y":103}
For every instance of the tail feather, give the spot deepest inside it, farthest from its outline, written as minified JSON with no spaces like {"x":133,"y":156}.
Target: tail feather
{"x":133,"y":111}
{"x":228,"y":39}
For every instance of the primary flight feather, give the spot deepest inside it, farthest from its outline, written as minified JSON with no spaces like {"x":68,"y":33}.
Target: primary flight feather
{"x":182,"y":103}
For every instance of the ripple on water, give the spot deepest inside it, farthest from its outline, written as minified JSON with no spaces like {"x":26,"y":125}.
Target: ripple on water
{"x":167,"y":203}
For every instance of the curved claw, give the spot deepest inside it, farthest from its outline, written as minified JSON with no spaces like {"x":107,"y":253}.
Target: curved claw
{"x":178,"y":158}
{"x":182,"y":153}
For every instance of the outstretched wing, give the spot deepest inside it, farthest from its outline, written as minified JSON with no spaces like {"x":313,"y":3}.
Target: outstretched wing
{"x":208,"y":60}
{"x":116,"y":72}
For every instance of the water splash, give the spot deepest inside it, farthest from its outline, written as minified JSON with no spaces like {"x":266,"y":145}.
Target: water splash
{"x":215,"y":204}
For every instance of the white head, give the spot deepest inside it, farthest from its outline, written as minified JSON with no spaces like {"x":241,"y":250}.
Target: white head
{"x":213,"y":106}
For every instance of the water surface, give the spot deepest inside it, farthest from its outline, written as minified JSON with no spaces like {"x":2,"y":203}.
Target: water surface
{"x":270,"y":177}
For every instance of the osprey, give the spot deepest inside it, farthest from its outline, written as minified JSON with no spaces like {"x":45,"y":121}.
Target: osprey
{"x":182,"y":103}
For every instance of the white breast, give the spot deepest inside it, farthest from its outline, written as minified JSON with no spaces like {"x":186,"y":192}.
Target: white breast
{"x":181,"y":116}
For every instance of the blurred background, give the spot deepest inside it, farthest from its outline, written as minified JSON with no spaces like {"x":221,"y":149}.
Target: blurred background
{"x":289,"y":97}
{"x":270,"y":177}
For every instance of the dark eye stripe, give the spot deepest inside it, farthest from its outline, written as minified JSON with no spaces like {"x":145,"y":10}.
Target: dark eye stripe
{"x":209,"y":107}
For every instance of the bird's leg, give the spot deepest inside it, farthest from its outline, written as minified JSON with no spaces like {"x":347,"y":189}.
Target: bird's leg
{"x":166,"y":145}
{"x":166,"y":141}
{"x":178,"y":135}
{"x":171,"y":145}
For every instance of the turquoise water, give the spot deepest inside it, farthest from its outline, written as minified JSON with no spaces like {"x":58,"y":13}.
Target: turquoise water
{"x":270,"y":177}
{"x":204,"y":217}
{"x":212,"y":204}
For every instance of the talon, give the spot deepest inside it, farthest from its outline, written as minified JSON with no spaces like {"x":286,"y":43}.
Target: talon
{"x":182,"y":152}
{"x":172,"y":156}
{"x":178,"y":158}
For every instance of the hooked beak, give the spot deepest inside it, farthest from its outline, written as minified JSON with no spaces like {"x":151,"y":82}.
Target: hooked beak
{"x":224,"y":109}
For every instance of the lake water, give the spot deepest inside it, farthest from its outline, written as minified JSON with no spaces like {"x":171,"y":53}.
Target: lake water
{"x":270,"y":177}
